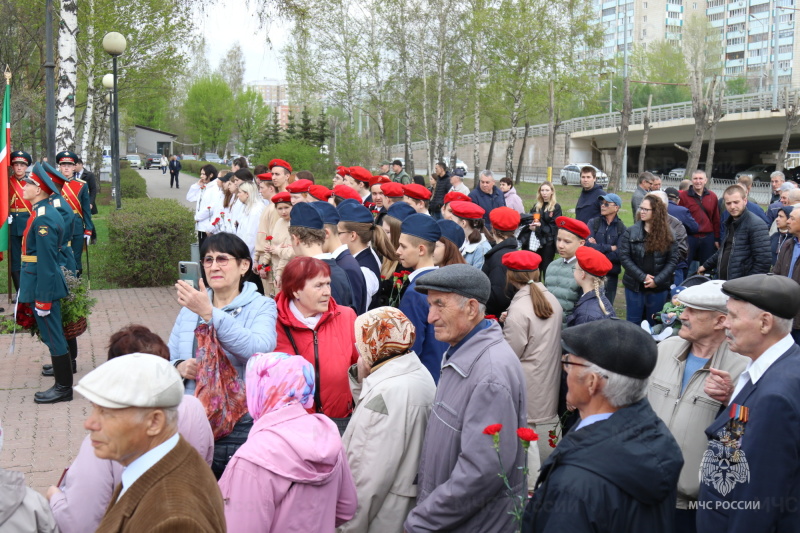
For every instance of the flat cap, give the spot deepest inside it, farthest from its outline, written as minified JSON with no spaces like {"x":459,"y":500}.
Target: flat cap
{"x":328,"y":213}
{"x":421,"y":226}
{"x":707,"y":296}
{"x":452,"y":232}
{"x":574,"y":226}
{"x":392,"y":189}
{"x":615,"y":345}
{"x":504,"y":218}
{"x":400,"y":211}
{"x":467,"y":210}
{"x":455,"y":196}
{"x":522,"y":261}
{"x":593,"y":261}
{"x":416,"y":191}
{"x":462,"y":279}
{"x":281,"y":197}
{"x":774,"y":294}
{"x":672,"y":192}
{"x":280,"y":163}
{"x":134,"y":380}
{"x":304,"y":215}
{"x":345,"y":191}
{"x":353,"y":211}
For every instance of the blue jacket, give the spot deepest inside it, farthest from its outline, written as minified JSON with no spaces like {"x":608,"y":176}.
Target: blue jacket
{"x":588,"y":309}
{"x":244,"y":327}
{"x":340,"y":285}
{"x":430,"y":351}
{"x":767,"y":470}
{"x":358,"y":284}
{"x":772,"y":211}
{"x":488,"y":202}
{"x":686,"y":218}
{"x":607,"y":235}
{"x":588,"y":205}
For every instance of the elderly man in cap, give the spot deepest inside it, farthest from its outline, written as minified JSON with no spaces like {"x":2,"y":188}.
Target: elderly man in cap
{"x":676,"y":385}
{"x":618,"y":468}
{"x":166,"y":485}
{"x":606,"y":232}
{"x":481,"y":390}
{"x":750,"y":471}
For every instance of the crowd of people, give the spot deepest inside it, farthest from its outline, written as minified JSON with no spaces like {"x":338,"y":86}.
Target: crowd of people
{"x":385,"y":356}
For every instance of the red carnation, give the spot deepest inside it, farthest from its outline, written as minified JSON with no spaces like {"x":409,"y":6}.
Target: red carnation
{"x":492,"y":429}
{"x":269,"y":237}
{"x":216,"y":221}
{"x":267,"y":268}
{"x":527,"y":434}
{"x":398,"y":274}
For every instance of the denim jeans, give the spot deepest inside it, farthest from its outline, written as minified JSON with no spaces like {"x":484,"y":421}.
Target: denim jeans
{"x":642,"y":305}
{"x":701,"y":247}
{"x":611,"y":287}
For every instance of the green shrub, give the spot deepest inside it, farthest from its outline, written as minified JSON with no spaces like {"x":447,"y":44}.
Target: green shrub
{"x":132,"y":184}
{"x":147,"y":239}
{"x":194,"y":167}
{"x":300,"y":155}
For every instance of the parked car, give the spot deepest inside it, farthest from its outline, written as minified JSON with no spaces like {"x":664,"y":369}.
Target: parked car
{"x":188,"y":157}
{"x":153,"y":160}
{"x":460,"y":164}
{"x":758,"y":172}
{"x":134,"y":160}
{"x":212,"y":157}
{"x":677,"y":173}
{"x":571,"y":174}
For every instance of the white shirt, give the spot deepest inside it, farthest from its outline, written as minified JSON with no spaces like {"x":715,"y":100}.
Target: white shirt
{"x":463,"y":189}
{"x":337,"y":252}
{"x":419,"y":271}
{"x":247,"y":229}
{"x":310,"y":322}
{"x":146,"y":461}
{"x":755,"y":369}
{"x":591,"y":419}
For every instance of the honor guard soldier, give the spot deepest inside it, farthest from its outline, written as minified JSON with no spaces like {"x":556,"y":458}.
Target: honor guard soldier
{"x":43,"y":284}
{"x":76,"y":193}
{"x":20,"y":209}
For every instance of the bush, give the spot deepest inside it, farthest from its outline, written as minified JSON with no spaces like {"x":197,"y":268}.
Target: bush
{"x":147,"y":239}
{"x":132,"y":184}
{"x":194,"y":167}
{"x":300,"y":155}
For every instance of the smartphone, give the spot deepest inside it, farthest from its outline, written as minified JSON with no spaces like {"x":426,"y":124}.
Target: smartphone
{"x":189,"y":272}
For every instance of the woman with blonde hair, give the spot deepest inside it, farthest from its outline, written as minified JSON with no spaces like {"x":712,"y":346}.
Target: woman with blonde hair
{"x":589,"y":274}
{"x":469,"y":216}
{"x":278,"y":249}
{"x":532,"y":327}
{"x":540,"y":235}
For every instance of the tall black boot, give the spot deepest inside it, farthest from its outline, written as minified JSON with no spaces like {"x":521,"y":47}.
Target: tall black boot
{"x":47,"y":370}
{"x":62,"y":390}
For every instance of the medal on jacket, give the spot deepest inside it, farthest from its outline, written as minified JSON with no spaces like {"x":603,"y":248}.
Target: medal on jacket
{"x":724,"y":463}
{"x":739,"y":414}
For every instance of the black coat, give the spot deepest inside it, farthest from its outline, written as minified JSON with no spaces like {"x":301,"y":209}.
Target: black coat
{"x":91,"y":182}
{"x":750,"y":252}
{"x":631,"y":255}
{"x":442,"y":188}
{"x":546,"y":233}
{"x":607,"y":235}
{"x":493,"y":267}
{"x":619,"y":474}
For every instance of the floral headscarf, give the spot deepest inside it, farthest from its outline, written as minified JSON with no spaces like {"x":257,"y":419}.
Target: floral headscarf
{"x":383,"y":333}
{"x":275,"y":380}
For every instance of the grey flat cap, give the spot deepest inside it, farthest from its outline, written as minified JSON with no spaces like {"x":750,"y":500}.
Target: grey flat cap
{"x":616,"y":345}
{"x":465,"y":280}
{"x":706,"y":297}
{"x":774,"y":294}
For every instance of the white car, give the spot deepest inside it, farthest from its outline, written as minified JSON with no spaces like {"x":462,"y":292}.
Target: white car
{"x":571,"y":174}
{"x":460,"y":164}
{"x":212,"y":158}
{"x":134,"y":160}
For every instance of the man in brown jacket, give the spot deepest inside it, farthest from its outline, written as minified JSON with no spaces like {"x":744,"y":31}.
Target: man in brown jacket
{"x":166,"y":485}
{"x":787,"y":263}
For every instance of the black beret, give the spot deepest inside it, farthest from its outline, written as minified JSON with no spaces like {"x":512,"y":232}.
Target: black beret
{"x":462,"y":279}
{"x":774,"y":294}
{"x":615,"y":345}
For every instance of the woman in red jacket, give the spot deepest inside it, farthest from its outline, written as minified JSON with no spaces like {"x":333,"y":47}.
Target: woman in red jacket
{"x":311,"y":324}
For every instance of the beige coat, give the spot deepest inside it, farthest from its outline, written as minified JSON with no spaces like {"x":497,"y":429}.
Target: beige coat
{"x":383,"y":442}
{"x":537,"y":343}
{"x":282,"y":253}
{"x":687,"y":415}
{"x":268,"y":217}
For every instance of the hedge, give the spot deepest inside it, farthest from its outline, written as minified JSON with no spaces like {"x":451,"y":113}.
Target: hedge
{"x":132,"y":184}
{"x":147,"y":239}
{"x":195,"y":166}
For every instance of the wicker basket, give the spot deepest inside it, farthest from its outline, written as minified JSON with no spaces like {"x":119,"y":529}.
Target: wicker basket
{"x":75,"y":329}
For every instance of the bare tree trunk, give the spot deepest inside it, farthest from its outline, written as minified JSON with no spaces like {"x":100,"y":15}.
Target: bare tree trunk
{"x":476,"y":137}
{"x":67,"y":75}
{"x":518,"y":176}
{"x":425,"y":124}
{"x":645,"y":134}
{"x":491,"y":153}
{"x":456,"y":133}
{"x":700,"y":110}
{"x":615,"y":179}
{"x":792,"y":120}
{"x":512,"y":136}
{"x":716,"y":115}
{"x":551,"y":128}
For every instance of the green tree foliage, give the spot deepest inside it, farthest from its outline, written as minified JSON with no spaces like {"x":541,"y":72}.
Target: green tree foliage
{"x":302,"y":155}
{"x":737,"y":86}
{"x":209,"y":109}
{"x":321,"y":131}
{"x":251,"y":117}
{"x":663,"y":63}
{"x":307,"y":128}
{"x":291,"y":127}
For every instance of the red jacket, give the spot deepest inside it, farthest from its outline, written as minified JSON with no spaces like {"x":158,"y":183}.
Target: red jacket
{"x":707,"y":217}
{"x":336,"y":346}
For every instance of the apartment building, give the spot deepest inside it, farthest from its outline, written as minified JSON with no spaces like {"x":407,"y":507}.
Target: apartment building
{"x":275,"y":94}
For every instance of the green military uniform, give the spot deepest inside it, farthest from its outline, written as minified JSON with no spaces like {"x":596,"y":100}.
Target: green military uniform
{"x":43,"y":285}
{"x":19,"y":212}
{"x":400,"y":177}
{"x":76,"y":192}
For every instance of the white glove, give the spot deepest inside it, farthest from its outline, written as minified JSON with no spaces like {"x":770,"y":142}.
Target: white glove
{"x":42,"y":313}
{"x":88,"y":239}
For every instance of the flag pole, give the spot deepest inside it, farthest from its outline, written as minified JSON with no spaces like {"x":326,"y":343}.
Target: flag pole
{"x":7,"y":74}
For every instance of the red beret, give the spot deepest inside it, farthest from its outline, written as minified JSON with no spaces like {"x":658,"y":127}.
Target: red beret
{"x":345,"y":192}
{"x":280,"y":163}
{"x":593,"y":261}
{"x":342,"y":171}
{"x":281,"y":197}
{"x":360,"y":174}
{"x":392,"y":189}
{"x":267,"y":176}
{"x":416,"y":191}
{"x":455,"y":196}
{"x":573,"y":225}
{"x":504,"y":218}
{"x":467,"y":210}
{"x":375,"y":180}
{"x":320,"y":192}
{"x":522,"y":261}
{"x":299,"y":186}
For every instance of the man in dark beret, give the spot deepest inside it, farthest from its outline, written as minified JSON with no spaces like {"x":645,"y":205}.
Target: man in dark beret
{"x":618,"y":469}
{"x":749,"y":473}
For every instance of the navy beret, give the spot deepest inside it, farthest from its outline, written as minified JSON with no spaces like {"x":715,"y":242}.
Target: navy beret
{"x":304,"y":215}
{"x":615,"y":345}
{"x":327,"y":212}
{"x":400,"y":211}
{"x":772,"y":293}
{"x":352,"y":211}
{"x":462,"y":279}
{"x":452,"y":232}
{"x":421,"y":226}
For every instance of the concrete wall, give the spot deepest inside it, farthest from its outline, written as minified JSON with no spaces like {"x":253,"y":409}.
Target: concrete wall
{"x":146,"y":141}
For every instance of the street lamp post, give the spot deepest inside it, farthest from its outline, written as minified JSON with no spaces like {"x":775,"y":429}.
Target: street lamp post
{"x":114,"y":44}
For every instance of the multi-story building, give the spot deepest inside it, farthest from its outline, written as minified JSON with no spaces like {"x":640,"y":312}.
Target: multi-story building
{"x":276,"y":95}
{"x":747,"y":29}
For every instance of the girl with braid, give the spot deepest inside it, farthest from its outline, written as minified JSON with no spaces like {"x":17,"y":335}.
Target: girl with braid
{"x":589,"y":275}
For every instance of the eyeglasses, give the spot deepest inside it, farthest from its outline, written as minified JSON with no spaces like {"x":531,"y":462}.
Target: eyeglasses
{"x":645,"y":209}
{"x":607,"y":204}
{"x":222,"y":260}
